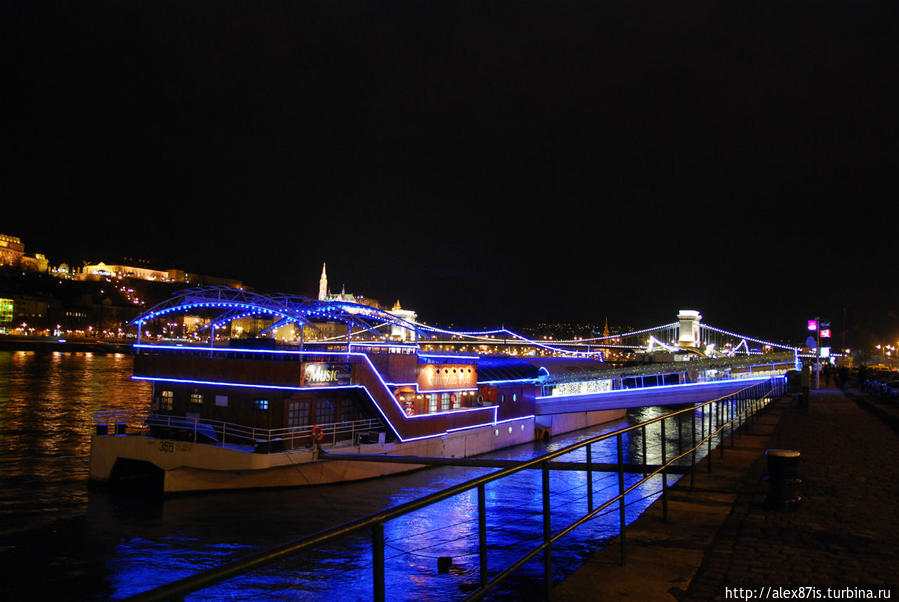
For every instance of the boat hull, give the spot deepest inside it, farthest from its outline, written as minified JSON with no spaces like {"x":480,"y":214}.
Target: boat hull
{"x":194,"y":467}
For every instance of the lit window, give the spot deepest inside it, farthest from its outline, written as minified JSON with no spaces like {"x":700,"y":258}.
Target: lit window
{"x":166,"y":400}
{"x":196,"y":399}
{"x":260,"y":404}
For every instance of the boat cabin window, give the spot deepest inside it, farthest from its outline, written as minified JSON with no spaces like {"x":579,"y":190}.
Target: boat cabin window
{"x":298,"y":413}
{"x":324,"y":412}
{"x":260,"y":404}
{"x":196,"y":399}
{"x":166,"y":400}
{"x":221,"y":401}
{"x":346,"y":410}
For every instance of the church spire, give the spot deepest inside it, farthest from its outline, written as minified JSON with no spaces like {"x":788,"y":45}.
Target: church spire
{"x":323,"y":285}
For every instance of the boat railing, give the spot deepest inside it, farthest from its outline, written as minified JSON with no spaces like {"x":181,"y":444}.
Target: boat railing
{"x":224,"y":352}
{"x":217,"y":432}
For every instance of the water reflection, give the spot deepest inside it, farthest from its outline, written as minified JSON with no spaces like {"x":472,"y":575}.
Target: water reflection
{"x":94,"y":545}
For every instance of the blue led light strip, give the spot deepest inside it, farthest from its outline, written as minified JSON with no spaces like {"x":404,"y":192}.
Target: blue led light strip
{"x":657,"y":387}
{"x":390,"y":394}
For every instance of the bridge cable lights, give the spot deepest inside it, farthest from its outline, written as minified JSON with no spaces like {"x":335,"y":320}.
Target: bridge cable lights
{"x":652,"y":342}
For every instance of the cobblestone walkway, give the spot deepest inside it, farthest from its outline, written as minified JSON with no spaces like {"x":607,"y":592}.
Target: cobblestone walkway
{"x":845,"y":531}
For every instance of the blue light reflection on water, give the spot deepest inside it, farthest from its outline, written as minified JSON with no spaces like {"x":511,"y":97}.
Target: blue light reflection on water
{"x":96,"y":545}
{"x":414,"y":541}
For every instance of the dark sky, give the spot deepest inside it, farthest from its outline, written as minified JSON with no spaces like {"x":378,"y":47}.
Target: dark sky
{"x":484,"y":162}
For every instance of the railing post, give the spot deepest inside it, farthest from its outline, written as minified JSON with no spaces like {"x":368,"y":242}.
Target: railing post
{"x":693,"y":448}
{"x":482,"y":532}
{"x":664,"y":476}
{"x":622,"y":523}
{"x":645,"y":471}
{"x":547,"y":534}
{"x":721,"y":425}
{"x":708,"y":454}
{"x":732,"y":411}
{"x":377,"y":557}
{"x":589,"y":477}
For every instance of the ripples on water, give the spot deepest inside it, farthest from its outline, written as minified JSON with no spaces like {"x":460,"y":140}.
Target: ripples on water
{"x":59,"y":538}
{"x":47,"y":401}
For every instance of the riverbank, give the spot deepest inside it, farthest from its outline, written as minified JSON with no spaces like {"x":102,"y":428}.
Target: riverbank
{"x":721,"y":535}
{"x":17,"y":343}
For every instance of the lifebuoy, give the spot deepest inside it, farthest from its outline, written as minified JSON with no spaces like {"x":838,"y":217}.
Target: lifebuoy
{"x":317,"y":433}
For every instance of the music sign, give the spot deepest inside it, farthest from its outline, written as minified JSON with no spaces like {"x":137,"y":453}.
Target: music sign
{"x":323,"y":374}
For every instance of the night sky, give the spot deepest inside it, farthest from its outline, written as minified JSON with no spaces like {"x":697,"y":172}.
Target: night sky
{"x":486,"y":163}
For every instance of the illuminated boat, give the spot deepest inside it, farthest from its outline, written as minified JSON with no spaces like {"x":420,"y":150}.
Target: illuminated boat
{"x":253,"y":412}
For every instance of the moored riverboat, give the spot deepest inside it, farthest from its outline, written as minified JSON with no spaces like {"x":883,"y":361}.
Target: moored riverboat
{"x":252,"y":412}
{"x":248,"y":410}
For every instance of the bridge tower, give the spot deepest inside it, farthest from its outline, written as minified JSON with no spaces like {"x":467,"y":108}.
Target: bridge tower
{"x":688,"y":335}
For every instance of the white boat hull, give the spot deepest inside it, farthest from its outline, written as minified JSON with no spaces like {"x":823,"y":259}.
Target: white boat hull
{"x":186,"y":466}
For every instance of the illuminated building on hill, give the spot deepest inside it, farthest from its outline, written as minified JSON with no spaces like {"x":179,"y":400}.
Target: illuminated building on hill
{"x":12,"y":253}
{"x":102,"y":270}
{"x":397,"y":333}
{"x":90,"y":272}
{"x":11,"y":250}
{"x":324,"y":294}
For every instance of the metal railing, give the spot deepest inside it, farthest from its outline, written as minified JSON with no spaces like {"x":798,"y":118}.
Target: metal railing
{"x":217,"y":432}
{"x":717,"y":418}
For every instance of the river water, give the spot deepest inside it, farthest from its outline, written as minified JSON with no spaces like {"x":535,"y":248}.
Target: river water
{"x":58,"y":537}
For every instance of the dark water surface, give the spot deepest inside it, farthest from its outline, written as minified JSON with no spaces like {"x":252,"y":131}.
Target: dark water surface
{"x":60,"y":538}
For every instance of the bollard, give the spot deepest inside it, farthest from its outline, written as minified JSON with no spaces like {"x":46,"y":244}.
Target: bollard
{"x":102,"y":428}
{"x":444,"y":563}
{"x":783,"y":478}
{"x":120,"y":428}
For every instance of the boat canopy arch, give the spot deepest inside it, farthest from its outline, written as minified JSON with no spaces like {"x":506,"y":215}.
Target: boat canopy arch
{"x":226,"y":304}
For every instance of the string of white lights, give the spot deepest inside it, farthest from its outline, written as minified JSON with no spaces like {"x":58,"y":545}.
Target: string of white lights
{"x":484,"y":336}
